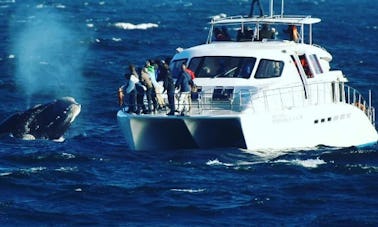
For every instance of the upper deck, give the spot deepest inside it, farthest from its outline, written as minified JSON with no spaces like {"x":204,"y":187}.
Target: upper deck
{"x":297,"y":27}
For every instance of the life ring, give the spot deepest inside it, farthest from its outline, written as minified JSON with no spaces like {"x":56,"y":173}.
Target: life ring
{"x":360,"y":106}
{"x":120,"y":97}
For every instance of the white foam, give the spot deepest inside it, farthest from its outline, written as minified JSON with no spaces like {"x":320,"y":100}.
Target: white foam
{"x":34,"y":169}
{"x":67,"y":169}
{"x":5,"y":174}
{"x":216,"y":162}
{"x":68,"y":156}
{"x":308,"y":163}
{"x":129,"y":26}
{"x":8,"y":1}
{"x":116,"y":39}
{"x":187,"y":190}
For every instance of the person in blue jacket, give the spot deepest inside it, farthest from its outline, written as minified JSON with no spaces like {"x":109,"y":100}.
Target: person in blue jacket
{"x":183,"y":83}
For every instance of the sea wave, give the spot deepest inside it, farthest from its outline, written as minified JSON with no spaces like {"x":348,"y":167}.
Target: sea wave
{"x":237,"y":163}
{"x":130,"y":26}
{"x":308,"y":163}
{"x":187,"y":190}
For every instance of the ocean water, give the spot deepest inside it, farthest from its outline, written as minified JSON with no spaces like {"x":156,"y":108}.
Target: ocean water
{"x":58,"y":48}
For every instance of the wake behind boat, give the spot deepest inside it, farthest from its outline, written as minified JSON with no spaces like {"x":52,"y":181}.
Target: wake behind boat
{"x":259,"y":88}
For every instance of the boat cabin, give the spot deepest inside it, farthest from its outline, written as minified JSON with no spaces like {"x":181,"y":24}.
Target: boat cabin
{"x":251,"y":55}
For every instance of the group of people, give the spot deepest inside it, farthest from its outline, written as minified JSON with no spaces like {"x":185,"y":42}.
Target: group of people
{"x":142,"y":93}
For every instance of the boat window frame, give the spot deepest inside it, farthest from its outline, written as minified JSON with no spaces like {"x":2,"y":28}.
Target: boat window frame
{"x":240,"y":64}
{"x":315,"y":64}
{"x":269,"y":76}
{"x":306,"y":66}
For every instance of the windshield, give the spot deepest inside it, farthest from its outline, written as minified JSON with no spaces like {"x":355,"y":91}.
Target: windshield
{"x":226,"y":67}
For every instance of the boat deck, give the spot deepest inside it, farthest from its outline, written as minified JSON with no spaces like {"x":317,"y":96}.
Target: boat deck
{"x":224,"y":103}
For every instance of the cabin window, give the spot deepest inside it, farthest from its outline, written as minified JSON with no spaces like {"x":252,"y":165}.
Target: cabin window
{"x":175,"y":67}
{"x":306,"y":66}
{"x":315,"y":63}
{"x":222,"y":66}
{"x":269,"y":69}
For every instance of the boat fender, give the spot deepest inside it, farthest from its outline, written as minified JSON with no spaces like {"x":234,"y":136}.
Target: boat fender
{"x":120,"y":97}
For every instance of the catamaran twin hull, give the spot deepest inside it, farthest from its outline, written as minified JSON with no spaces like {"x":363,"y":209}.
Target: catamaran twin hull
{"x":336,"y":125}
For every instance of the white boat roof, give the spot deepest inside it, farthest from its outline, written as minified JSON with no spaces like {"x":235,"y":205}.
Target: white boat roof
{"x":261,"y":49}
{"x":277,"y":19}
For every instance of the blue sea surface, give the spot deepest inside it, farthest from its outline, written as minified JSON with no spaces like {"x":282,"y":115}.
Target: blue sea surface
{"x":58,"y":48}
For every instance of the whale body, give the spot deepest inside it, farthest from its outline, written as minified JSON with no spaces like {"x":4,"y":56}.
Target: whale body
{"x":43,"y":121}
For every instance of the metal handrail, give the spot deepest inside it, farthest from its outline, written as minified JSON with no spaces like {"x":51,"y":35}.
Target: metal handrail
{"x":267,"y":100}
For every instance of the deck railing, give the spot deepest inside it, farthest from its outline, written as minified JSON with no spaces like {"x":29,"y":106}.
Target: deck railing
{"x":267,"y":100}
{"x":229,"y":100}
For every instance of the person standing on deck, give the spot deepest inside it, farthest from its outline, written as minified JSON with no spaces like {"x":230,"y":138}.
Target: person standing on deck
{"x":183,"y":82}
{"x":169,"y":86}
{"x":145,"y":79}
{"x":253,"y":6}
{"x":129,"y":89}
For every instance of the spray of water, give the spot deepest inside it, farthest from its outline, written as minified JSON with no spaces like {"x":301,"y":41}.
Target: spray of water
{"x":49,"y":54}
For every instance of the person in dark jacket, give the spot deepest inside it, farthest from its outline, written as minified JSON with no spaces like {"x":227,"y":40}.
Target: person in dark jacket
{"x":168,"y":86}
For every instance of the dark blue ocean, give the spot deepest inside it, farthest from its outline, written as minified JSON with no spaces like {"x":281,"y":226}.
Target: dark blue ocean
{"x":56,"y":48}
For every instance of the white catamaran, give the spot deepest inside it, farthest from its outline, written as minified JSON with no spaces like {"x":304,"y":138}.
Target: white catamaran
{"x":258,"y":90}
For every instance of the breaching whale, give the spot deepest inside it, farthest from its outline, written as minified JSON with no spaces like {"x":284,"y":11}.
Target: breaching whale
{"x":43,"y":121}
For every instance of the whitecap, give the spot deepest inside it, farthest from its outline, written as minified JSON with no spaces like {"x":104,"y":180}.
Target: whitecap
{"x":60,"y":6}
{"x":68,"y":156}
{"x":116,"y":39}
{"x":216,"y":162}
{"x":8,"y":1}
{"x":129,"y":26}
{"x":33,"y":169}
{"x":187,"y":190}
{"x":66,"y":169}
{"x":5,"y":174}
{"x":308,"y":163}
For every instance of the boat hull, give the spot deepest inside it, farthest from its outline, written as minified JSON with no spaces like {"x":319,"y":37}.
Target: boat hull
{"x":336,"y":125}
{"x":152,"y":132}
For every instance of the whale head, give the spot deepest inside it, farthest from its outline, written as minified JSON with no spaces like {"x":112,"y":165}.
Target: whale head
{"x":43,"y":121}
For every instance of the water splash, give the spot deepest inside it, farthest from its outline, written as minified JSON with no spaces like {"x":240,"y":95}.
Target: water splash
{"x":48,"y":53}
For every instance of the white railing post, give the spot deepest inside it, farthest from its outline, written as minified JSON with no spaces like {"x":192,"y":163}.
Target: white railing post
{"x":348,"y":95}
{"x":271,"y":8}
{"x":354,"y":96}
{"x":282,"y":8}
